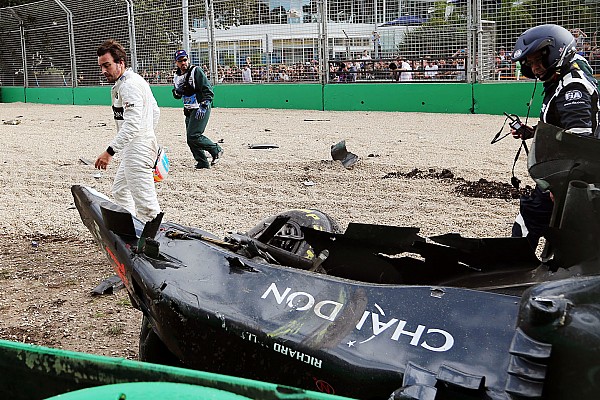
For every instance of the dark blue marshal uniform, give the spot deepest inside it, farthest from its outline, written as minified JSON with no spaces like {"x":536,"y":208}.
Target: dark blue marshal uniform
{"x":570,"y":102}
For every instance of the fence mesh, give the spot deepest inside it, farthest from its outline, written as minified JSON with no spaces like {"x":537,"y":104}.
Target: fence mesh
{"x":329,"y":41}
{"x":511,"y":18}
{"x":93,"y":24}
{"x":11,"y":59}
{"x":158,"y":33}
{"x":40,"y":32}
{"x":265,"y":41}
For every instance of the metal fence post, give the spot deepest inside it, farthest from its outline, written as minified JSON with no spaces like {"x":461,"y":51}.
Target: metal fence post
{"x":212,"y":45}
{"x":132,"y":40}
{"x":472,"y":44}
{"x":71,"y":42}
{"x":323,"y":43}
{"x":186,"y":25}
{"x":23,"y":51}
{"x":479,"y":40}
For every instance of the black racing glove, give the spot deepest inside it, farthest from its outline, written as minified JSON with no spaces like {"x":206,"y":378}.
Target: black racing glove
{"x":526,"y":132}
{"x":522,"y":131}
{"x":177,"y":94}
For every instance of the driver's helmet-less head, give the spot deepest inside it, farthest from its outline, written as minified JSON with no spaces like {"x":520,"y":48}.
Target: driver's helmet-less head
{"x":557,"y":46}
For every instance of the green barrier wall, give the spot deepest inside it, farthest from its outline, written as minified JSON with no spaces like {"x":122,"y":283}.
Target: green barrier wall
{"x":302,"y":97}
{"x":282,"y":96}
{"x":92,"y":96}
{"x":29,"y":372}
{"x":100,"y":95}
{"x":414,"y":97}
{"x":513,"y":98}
{"x":461,"y":98}
{"x":12,"y":94}
{"x":59,"y":95}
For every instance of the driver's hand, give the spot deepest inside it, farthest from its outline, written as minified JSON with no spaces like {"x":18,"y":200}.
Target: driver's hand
{"x":103,"y":160}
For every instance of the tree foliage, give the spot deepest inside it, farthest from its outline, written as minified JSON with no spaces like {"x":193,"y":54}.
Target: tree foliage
{"x":442,"y":32}
{"x":159,"y":44}
{"x":510,"y":18}
{"x":246,"y":12}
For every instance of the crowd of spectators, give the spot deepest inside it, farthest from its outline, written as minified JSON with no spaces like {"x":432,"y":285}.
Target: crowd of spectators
{"x":398,"y":69}
{"x":295,"y":72}
{"x":158,"y":77}
{"x":248,"y":73}
{"x":366,"y":68}
{"x":504,"y":67}
{"x":588,"y":46}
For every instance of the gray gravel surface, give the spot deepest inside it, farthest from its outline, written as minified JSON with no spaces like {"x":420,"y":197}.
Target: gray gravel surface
{"x":49,"y":264}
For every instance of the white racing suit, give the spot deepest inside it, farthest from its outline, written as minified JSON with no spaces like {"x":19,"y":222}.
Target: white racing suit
{"x":136,"y":114}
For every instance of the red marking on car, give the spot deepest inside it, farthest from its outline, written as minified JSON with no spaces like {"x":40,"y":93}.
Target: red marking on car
{"x":324,"y":387}
{"x":119,"y":267}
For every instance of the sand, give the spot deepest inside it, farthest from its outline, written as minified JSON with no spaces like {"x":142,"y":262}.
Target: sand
{"x":49,"y":264}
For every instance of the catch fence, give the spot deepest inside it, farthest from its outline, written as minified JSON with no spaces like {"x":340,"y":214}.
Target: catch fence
{"x":53,"y":43}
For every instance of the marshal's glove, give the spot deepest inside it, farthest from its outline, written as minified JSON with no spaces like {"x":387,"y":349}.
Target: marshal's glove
{"x":522,"y":131}
{"x":202,"y":109}
{"x":177,"y":94}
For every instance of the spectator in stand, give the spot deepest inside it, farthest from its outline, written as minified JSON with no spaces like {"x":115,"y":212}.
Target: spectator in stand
{"x":460,"y":56}
{"x":405,"y":70}
{"x":462,"y":53}
{"x":229,"y":77}
{"x":313,"y":73}
{"x":333,"y":77}
{"x":394,"y":73}
{"x":365,"y":56}
{"x":351,"y":72}
{"x":461,"y":73}
{"x":377,"y":70}
{"x":431,"y":69}
{"x":365,"y":65}
{"x":262,"y":74}
{"x":342,"y":72}
{"x":247,"y":74}
{"x":502,"y":54}
{"x":220,"y":74}
{"x":503,"y":68}
{"x":417,"y":69}
{"x":580,"y":38}
{"x":443,"y":72}
{"x":595,"y":59}
{"x":376,"y":39}
{"x":283,"y":74}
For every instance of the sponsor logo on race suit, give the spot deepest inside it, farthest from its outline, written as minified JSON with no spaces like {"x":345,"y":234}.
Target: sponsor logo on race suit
{"x":118,"y":113}
{"x":376,"y":322}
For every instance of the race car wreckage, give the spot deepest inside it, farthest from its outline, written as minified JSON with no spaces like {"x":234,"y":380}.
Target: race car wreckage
{"x":378,"y":311}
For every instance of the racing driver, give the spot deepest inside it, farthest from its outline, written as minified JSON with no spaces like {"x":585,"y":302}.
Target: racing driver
{"x":136,"y":114}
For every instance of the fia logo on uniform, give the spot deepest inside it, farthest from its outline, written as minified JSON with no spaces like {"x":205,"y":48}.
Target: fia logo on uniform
{"x":573,"y":95}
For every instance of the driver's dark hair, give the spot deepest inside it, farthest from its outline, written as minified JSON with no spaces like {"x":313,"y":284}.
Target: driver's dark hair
{"x":116,"y":50}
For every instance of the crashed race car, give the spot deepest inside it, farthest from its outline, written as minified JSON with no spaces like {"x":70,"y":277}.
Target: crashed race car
{"x":376,"y":312}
